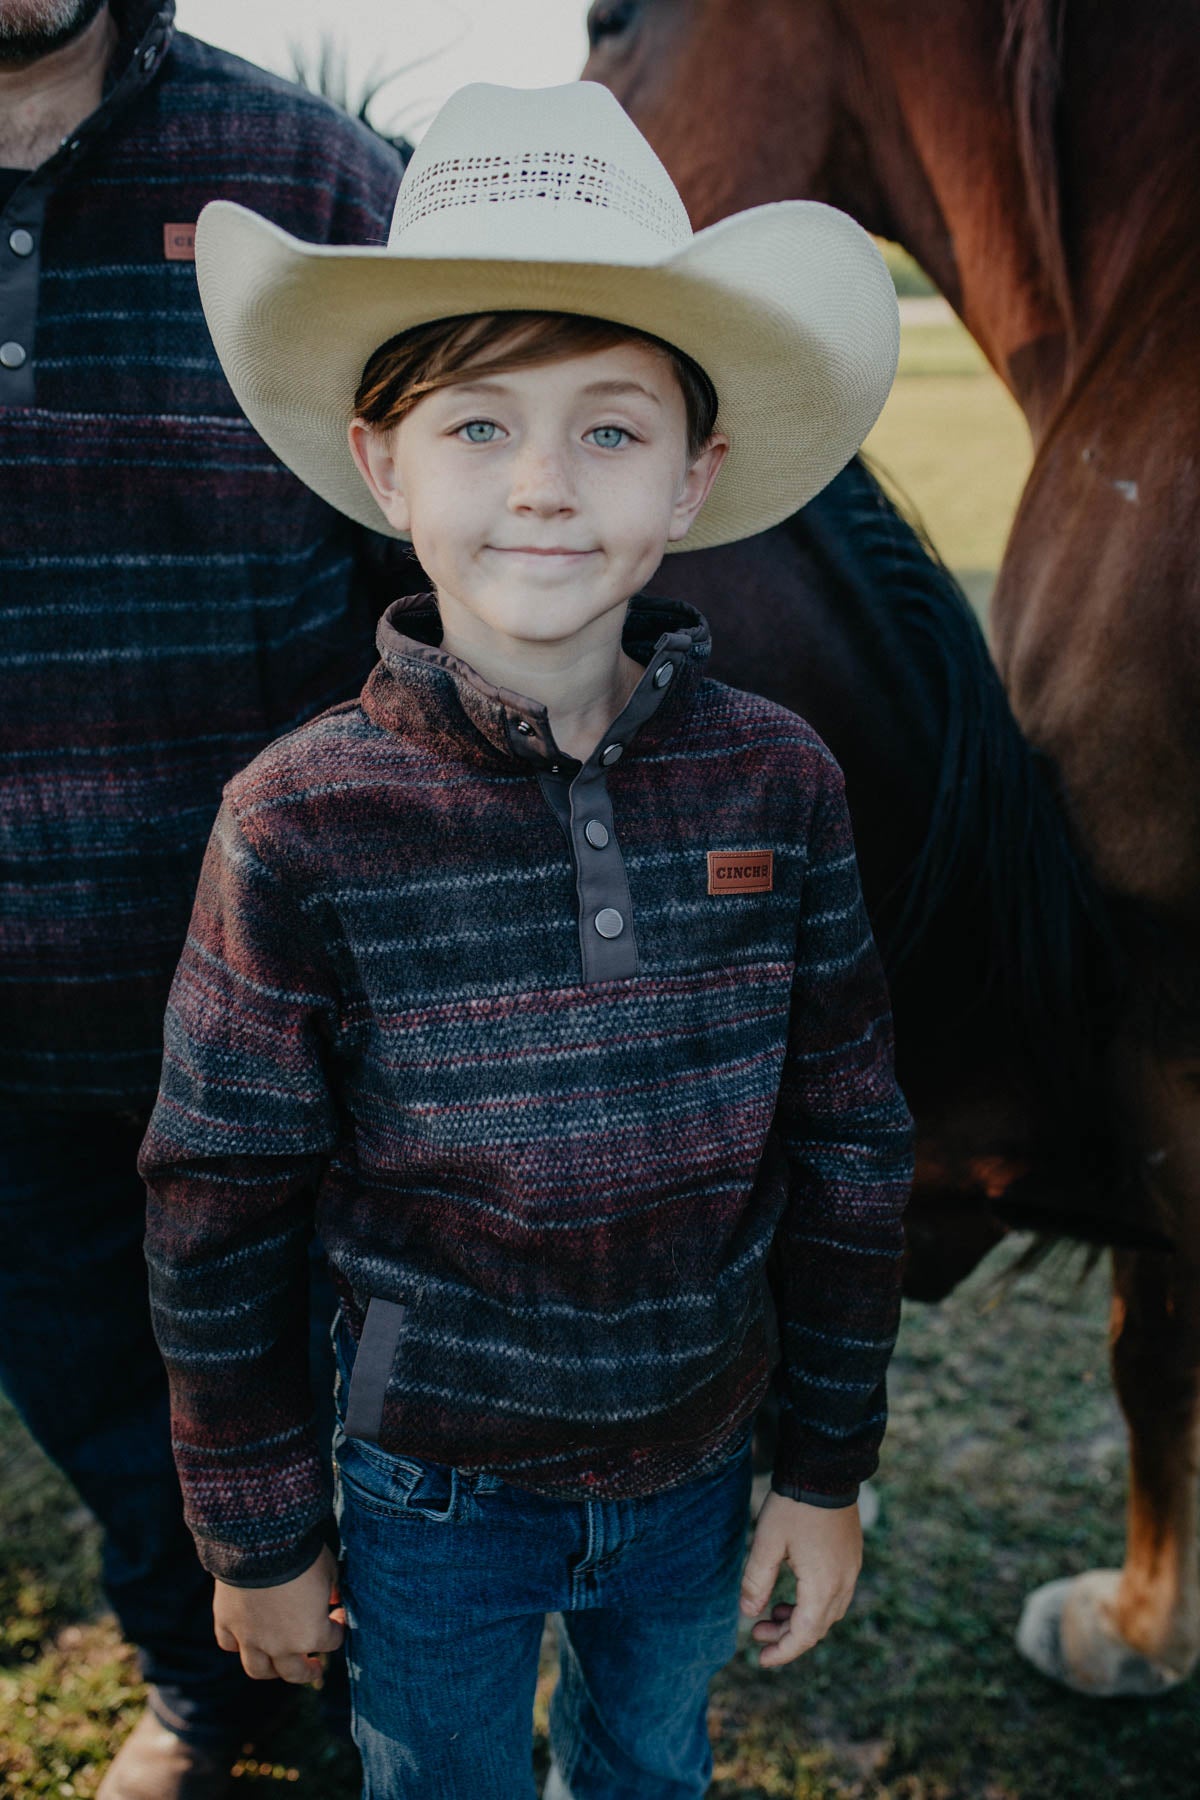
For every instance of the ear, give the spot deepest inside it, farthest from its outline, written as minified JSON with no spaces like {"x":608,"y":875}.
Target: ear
{"x":698,"y":479}
{"x":372,"y":453}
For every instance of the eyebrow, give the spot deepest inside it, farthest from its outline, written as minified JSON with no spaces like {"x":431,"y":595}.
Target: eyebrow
{"x":609,"y":389}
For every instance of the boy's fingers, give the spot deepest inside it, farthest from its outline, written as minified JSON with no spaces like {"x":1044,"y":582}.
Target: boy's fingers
{"x":758,"y":1581}
{"x":257,"y":1664}
{"x":768,"y":1631}
{"x":299,"y":1670}
{"x":799,"y":1634}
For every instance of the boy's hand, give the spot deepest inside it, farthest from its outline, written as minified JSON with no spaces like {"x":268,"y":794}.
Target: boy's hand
{"x":823,"y":1547}
{"x":282,"y":1631}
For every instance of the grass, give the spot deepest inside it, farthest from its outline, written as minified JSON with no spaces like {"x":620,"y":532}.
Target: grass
{"x":952,"y":447}
{"x":908,"y":277}
{"x":1003,"y":1467}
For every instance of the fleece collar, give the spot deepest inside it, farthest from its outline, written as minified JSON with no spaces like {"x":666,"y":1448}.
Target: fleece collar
{"x":422,"y":693}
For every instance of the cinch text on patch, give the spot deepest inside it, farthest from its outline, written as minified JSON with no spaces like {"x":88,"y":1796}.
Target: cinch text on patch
{"x":740,"y":871}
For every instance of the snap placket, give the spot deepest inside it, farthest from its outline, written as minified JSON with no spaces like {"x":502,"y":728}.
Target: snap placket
{"x":577,"y":793}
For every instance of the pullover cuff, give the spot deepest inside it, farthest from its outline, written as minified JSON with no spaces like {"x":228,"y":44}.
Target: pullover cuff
{"x":791,"y":1491}
{"x":237,"y":1568}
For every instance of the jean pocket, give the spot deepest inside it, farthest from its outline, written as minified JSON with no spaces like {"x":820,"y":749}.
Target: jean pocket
{"x":393,"y":1486}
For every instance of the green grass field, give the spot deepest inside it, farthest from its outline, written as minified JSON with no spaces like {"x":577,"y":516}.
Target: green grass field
{"x":1004,"y":1466}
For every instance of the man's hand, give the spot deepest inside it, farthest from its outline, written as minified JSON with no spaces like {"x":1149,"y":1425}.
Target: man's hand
{"x":823,"y":1548}
{"x":282,"y":1631}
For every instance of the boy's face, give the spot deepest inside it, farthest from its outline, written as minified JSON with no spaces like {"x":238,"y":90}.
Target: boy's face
{"x":543,"y":498}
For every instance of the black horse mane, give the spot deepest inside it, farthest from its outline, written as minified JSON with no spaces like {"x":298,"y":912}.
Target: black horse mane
{"x":998,"y":853}
{"x":997,"y":826}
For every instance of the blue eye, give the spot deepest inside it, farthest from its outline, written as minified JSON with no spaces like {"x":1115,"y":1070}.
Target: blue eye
{"x":608,"y":437}
{"x":478,"y":431}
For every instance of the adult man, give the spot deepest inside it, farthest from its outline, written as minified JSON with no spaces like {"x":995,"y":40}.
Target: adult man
{"x":170,"y":599}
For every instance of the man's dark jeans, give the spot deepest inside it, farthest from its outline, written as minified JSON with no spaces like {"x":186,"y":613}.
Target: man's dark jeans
{"x":79,"y":1362}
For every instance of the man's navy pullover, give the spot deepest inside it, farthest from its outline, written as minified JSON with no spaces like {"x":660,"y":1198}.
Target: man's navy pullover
{"x":555,"y":1053}
{"x":171,"y":597}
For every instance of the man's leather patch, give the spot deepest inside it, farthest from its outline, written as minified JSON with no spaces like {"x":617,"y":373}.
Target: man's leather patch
{"x":740,"y":871}
{"x":179,"y":243}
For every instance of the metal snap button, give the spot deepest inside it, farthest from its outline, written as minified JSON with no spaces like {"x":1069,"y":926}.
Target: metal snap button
{"x":596,"y":834}
{"x":12,"y":355}
{"x":148,"y":56}
{"x":524,"y":727}
{"x":663,"y":674}
{"x":20,"y":241}
{"x":611,"y":754}
{"x":609,"y":922}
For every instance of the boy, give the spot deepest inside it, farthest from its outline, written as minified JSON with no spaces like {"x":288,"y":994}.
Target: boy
{"x":542,"y":975}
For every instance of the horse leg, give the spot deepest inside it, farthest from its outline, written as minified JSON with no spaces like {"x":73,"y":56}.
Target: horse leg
{"x":1136,"y":1630}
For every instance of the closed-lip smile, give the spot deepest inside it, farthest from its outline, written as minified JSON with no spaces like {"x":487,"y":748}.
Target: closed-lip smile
{"x":539,"y":550}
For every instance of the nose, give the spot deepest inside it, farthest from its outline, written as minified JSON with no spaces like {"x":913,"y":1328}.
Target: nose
{"x":541,"y":481}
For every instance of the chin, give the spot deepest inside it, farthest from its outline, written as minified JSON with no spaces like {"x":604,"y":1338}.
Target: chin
{"x":542,"y":611}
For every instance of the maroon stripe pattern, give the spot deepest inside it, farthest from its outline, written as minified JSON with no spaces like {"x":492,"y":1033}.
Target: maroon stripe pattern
{"x":171,"y":597}
{"x":569,"y":1187}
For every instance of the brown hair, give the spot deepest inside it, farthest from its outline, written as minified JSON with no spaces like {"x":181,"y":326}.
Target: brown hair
{"x":433,"y":356}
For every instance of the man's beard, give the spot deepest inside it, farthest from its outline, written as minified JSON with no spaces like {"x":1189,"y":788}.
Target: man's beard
{"x":31,"y":29}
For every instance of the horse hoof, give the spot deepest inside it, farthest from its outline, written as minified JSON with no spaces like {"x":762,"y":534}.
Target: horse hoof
{"x":1068,"y":1630}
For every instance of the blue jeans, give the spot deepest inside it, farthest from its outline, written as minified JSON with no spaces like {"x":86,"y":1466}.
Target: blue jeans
{"x":79,"y":1362}
{"x":447,"y":1580}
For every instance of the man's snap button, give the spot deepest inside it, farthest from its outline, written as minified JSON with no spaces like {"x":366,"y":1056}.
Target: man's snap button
{"x":609,"y":922}
{"x":611,"y":753}
{"x":663,"y":674}
{"x":20,"y":241}
{"x":12,"y":355}
{"x":596,"y":834}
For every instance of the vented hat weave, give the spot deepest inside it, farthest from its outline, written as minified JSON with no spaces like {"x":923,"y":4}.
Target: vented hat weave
{"x":550,"y":199}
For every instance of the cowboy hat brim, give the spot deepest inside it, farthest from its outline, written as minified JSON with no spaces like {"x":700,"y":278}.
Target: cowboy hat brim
{"x":788,"y":308}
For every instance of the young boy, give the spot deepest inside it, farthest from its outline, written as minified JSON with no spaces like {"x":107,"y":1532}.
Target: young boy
{"x":540,"y":976}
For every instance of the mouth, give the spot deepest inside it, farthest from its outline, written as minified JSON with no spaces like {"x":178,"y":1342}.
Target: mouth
{"x":559,"y":550}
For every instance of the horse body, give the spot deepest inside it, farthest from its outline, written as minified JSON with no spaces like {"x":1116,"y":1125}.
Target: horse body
{"x":1038,"y":160}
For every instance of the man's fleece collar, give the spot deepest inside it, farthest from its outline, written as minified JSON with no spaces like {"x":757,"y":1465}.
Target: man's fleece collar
{"x":422,"y":693}
{"x":144,"y":32}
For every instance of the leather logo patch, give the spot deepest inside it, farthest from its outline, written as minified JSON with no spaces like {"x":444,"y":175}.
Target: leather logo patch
{"x":179,"y":243}
{"x":740,"y":871}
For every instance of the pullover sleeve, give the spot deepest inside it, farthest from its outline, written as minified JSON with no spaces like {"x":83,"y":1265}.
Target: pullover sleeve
{"x":847,"y":1133}
{"x":236,"y":1145}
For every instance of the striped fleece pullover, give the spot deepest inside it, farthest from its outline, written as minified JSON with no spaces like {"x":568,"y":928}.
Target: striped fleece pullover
{"x":171,"y":597}
{"x":556,"y":1051}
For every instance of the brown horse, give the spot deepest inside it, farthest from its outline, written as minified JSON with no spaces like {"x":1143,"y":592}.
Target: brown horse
{"x":1038,"y":159}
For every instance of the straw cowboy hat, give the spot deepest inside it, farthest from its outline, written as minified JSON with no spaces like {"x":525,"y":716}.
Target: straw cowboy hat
{"x":551,"y":199}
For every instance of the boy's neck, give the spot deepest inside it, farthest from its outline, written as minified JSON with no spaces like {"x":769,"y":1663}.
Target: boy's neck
{"x":583,"y":681}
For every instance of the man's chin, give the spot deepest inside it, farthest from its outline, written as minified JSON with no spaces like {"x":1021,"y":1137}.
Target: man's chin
{"x":40,"y":27}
